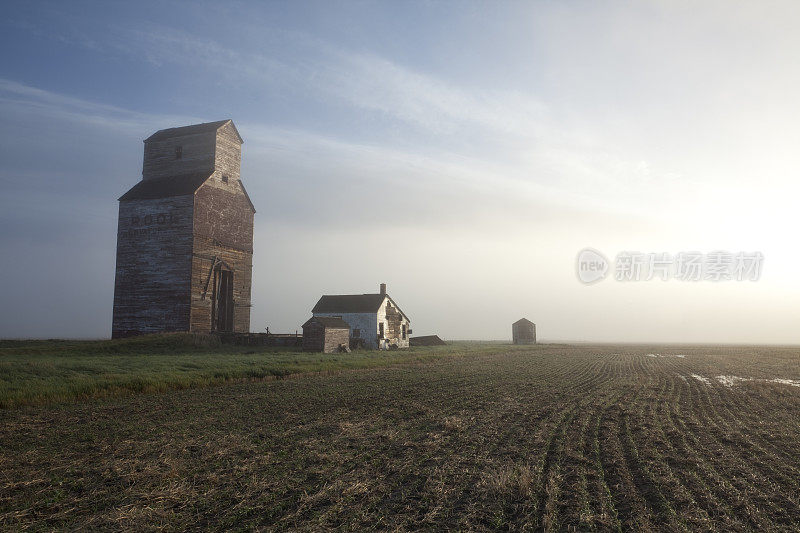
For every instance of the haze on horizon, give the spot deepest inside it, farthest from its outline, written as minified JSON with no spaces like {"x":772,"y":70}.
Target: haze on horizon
{"x":463,"y":153}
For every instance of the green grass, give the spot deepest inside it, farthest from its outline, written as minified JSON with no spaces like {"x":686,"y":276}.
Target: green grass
{"x":40,"y":372}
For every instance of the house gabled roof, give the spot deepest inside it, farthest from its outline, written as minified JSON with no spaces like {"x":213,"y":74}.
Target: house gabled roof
{"x":328,"y":322}
{"x":194,"y":129}
{"x":523,"y":321}
{"x":349,"y":303}
{"x":353,"y":303}
{"x":181,"y":185}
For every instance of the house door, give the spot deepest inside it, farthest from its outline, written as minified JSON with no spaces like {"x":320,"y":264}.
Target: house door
{"x":222,"y":310}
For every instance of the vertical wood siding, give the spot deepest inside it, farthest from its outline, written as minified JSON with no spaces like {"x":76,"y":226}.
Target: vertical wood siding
{"x":523,"y":333}
{"x":223,"y":229}
{"x":318,"y":338}
{"x":198,"y":153}
{"x":154,"y":257}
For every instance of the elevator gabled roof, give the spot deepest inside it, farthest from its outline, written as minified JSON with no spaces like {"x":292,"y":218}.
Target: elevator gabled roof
{"x":194,"y":129}
{"x":180,"y":185}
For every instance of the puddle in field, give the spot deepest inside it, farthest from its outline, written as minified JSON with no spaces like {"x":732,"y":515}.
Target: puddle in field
{"x":665,"y":355}
{"x":730,"y":381}
{"x":792,"y":382}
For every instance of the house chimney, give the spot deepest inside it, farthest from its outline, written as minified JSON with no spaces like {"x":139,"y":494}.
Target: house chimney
{"x":383,"y":288}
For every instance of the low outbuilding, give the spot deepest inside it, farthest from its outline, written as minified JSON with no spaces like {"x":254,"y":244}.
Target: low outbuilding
{"x":426,"y":340}
{"x":326,"y":334}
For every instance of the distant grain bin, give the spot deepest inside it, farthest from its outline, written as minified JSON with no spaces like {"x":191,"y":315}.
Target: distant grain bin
{"x":185,"y":236}
{"x":325,"y":334}
{"x":523,"y":331}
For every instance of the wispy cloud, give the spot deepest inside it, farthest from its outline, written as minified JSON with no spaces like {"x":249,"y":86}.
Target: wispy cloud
{"x":375,"y":83}
{"x":18,"y":96}
{"x":511,"y":139}
{"x":362,"y":80}
{"x":502,"y":136}
{"x":547,"y":180}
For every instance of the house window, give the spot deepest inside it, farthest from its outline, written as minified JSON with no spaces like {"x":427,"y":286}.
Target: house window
{"x":224,"y":178}
{"x":380,"y":331}
{"x":179,"y":152}
{"x":356,"y":333}
{"x":404,"y":331}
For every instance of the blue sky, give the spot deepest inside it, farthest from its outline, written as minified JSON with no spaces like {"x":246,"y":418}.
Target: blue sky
{"x":461,"y":152}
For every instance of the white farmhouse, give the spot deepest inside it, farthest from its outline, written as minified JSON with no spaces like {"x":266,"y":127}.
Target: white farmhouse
{"x":374,"y":318}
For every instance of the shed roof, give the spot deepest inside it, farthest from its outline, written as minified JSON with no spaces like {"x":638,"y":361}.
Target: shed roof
{"x":523,"y":321}
{"x":194,"y":129}
{"x":328,"y":322}
{"x":181,"y":185}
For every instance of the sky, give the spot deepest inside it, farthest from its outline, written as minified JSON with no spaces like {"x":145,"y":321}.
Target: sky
{"x":464,"y":153}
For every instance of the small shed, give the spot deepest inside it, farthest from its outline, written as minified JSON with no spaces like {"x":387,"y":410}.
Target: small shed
{"x":523,"y":331}
{"x":325,"y":334}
